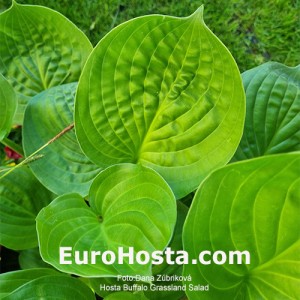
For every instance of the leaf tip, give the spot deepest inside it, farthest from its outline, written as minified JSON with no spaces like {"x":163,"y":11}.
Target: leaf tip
{"x":14,"y":3}
{"x":198,"y":14}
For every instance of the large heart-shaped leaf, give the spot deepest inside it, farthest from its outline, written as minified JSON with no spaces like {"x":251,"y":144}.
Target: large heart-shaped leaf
{"x":164,"y":92}
{"x":21,"y":198}
{"x":63,"y":167}
{"x":273,"y":111}
{"x":42,"y":284}
{"x":247,"y":206}
{"x":8,"y":106}
{"x":40,"y":49}
{"x":130,"y":206}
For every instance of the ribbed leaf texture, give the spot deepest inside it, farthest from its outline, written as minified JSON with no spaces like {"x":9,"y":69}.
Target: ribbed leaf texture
{"x":40,"y":49}
{"x":272,"y":122}
{"x":164,"y":92}
{"x":247,"y":206}
{"x":130,"y":206}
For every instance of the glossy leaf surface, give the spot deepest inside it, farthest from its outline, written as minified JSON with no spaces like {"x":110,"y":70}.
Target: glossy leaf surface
{"x":273,"y":111}
{"x":248,"y":206}
{"x":164,"y":92}
{"x":63,"y":168}
{"x":8,"y":105}
{"x":40,"y":49}
{"x":11,"y":281}
{"x":21,"y":198}
{"x":130,"y":206}
{"x":43,"y":284}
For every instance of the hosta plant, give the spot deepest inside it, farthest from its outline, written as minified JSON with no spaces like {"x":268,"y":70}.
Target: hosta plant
{"x":152,"y":142}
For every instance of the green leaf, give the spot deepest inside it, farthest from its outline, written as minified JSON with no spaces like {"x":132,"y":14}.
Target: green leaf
{"x":8,"y":106}
{"x":11,"y":281}
{"x":31,"y":258}
{"x":125,"y":295}
{"x":21,"y":198}
{"x":167,"y":269}
{"x":130,"y":206}
{"x":247,"y":206}
{"x":162,"y":269}
{"x":63,"y":167}
{"x":43,"y":284}
{"x":164,"y":92}
{"x":175,"y":244}
{"x":40,"y":49}
{"x":273,"y":110}
{"x":98,"y":282}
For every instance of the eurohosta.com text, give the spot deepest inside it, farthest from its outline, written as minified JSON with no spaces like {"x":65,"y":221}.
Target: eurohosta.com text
{"x":68,"y":256}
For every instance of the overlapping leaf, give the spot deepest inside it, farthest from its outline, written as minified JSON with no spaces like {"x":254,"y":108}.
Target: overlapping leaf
{"x":42,"y":284}
{"x":169,"y":269}
{"x":273,"y":111}
{"x":157,"y":270}
{"x":8,"y":106}
{"x":164,"y":92}
{"x":31,"y":258}
{"x":253,"y":206}
{"x":11,"y":281}
{"x":175,"y":244}
{"x":21,"y":198}
{"x":40,"y":49}
{"x":130,"y":206}
{"x":63,"y":167}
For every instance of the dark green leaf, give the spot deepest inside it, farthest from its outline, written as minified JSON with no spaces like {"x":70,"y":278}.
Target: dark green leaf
{"x":31,"y":258}
{"x":8,"y":106}
{"x":11,"y":281}
{"x":125,"y":295}
{"x":21,"y":198}
{"x":63,"y":168}
{"x":43,"y":284}
{"x":273,"y":111}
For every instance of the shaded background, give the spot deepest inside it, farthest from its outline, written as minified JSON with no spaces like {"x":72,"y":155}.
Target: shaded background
{"x":254,"y":31}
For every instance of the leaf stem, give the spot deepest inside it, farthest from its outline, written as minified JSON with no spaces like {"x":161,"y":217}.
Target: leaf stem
{"x":32,"y":156}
